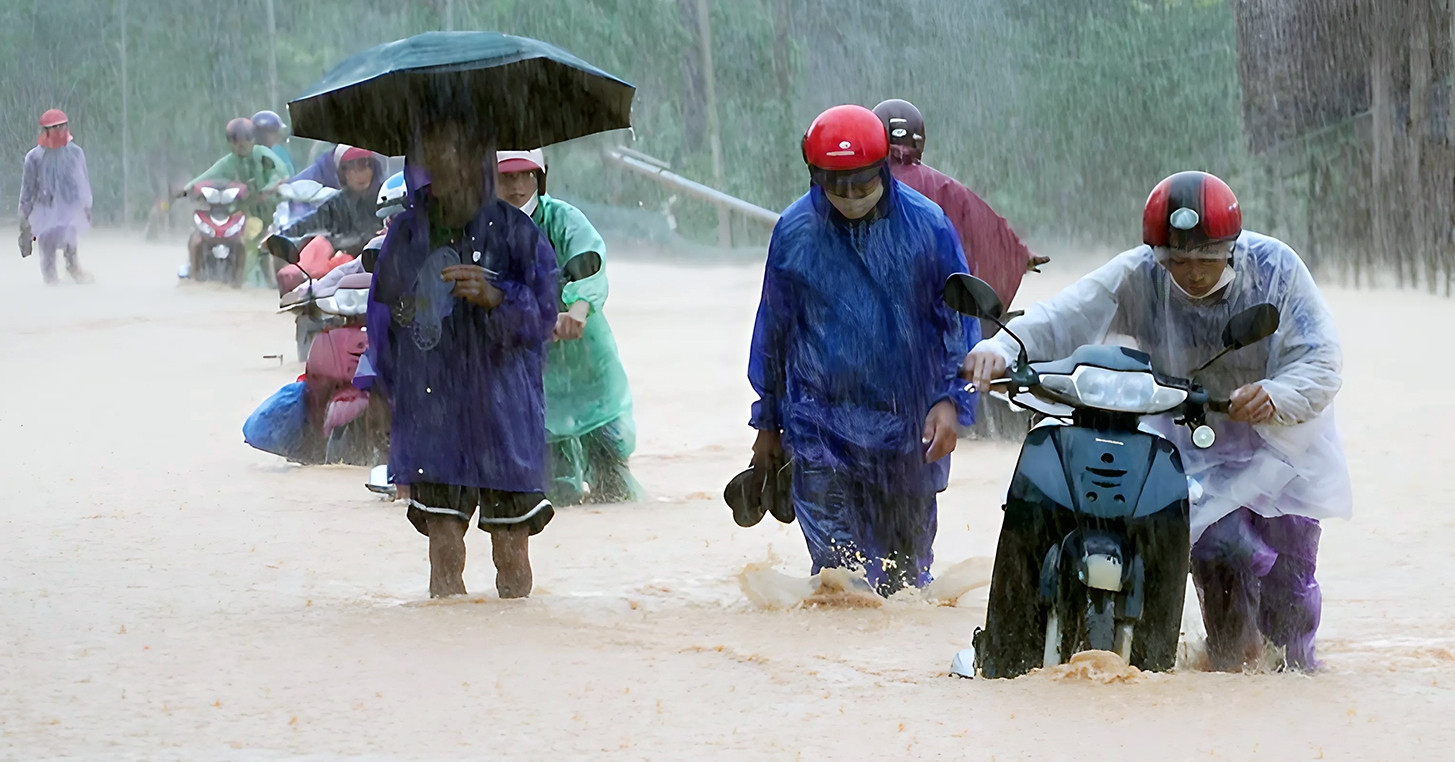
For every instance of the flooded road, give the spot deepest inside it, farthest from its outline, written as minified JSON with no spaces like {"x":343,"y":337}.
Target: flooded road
{"x":167,"y":592}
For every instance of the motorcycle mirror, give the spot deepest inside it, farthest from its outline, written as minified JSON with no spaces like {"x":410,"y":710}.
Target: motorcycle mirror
{"x":1251,"y":326}
{"x":969,"y":295}
{"x":283,"y":247}
{"x":581,"y":266}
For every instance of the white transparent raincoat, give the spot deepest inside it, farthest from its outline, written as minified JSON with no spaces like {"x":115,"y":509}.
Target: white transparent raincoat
{"x":1292,"y":465}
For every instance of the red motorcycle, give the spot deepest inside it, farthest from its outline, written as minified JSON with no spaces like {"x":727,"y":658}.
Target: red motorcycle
{"x":216,"y":249}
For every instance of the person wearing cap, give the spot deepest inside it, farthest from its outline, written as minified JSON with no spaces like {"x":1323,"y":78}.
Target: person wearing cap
{"x":350,"y":218}
{"x":855,"y":357}
{"x":270,"y":130}
{"x":995,"y":253}
{"x":55,"y":197}
{"x":1277,"y":466}
{"x":589,"y":422}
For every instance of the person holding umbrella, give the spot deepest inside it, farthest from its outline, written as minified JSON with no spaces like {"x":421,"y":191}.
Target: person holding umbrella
{"x":462,"y":307}
{"x":465,"y":292}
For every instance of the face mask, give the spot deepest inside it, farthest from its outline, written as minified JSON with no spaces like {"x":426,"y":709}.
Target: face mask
{"x":1223,"y":281}
{"x":530,"y":206}
{"x":856,"y":208}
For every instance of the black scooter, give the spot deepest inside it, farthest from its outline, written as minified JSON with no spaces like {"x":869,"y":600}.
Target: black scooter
{"x":1094,"y":545}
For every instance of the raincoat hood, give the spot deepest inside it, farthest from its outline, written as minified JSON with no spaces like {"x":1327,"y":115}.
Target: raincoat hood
{"x":325,"y":168}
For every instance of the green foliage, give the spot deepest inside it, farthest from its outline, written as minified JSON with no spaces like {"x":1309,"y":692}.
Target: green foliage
{"x":1063,"y":113}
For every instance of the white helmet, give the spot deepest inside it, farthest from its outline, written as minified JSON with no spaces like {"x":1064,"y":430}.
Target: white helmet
{"x":391,"y":196}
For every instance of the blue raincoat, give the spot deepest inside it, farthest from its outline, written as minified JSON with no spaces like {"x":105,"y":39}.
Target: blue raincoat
{"x":853,"y":345}
{"x":468,"y":403}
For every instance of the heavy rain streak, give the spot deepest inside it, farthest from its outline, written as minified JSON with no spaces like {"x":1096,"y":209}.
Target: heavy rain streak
{"x":743,"y":379}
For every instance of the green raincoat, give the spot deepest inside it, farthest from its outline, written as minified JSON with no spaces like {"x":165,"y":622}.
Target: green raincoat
{"x":259,"y":170}
{"x":588,"y":402}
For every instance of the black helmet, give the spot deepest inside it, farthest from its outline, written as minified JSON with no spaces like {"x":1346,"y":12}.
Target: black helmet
{"x":905,"y":123}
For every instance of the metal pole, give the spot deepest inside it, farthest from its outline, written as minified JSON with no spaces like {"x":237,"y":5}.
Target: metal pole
{"x":653,"y":170}
{"x":714,"y":135}
{"x":272,"y":57}
{"x":125,"y":122}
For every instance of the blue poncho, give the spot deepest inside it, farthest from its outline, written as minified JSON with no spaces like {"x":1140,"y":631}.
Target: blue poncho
{"x":853,"y":345}
{"x":468,"y":404}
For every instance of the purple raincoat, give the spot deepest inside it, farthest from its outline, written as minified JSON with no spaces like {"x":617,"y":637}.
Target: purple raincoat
{"x":55,"y":193}
{"x":470,"y":409}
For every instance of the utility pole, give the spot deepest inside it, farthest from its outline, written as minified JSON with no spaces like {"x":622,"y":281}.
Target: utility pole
{"x":125,"y":121}
{"x":272,"y":56}
{"x":714,"y":134}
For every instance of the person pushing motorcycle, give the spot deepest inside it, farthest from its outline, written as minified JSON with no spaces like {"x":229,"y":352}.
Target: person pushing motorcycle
{"x":1277,"y":465}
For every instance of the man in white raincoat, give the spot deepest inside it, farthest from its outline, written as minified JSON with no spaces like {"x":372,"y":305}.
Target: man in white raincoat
{"x":1277,"y":466}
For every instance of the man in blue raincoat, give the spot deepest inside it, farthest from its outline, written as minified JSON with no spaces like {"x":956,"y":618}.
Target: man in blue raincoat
{"x":855,"y":357}
{"x":462,"y":307}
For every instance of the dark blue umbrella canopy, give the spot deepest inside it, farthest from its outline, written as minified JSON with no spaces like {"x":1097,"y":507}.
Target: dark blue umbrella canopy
{"x":524,"y":93}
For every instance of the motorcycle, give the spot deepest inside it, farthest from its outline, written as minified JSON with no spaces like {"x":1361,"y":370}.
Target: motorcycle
{"x":305,"y":264}
{"x":1093,"y":551}
{"x":217,"y":253}
{"x":353,"y":424}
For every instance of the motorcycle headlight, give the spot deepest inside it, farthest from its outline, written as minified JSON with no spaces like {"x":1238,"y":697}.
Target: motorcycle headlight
{"x":235,"y":228}
{"x":210,"y":195}
{"x":230,"y":195}
{"x":351,"y":301}
{"x":1117,"y":391}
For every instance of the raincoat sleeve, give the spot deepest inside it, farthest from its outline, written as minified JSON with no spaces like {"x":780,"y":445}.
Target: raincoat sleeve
{"x":958,"y":332}
{"x":1306,"y":363}
{"x":275,"y":173}
{"x":526,"y":317}
{"x":225,"y":168}
{"x":29,"y":185}
{"x":329,"y":217}
{"x":770,"y":335}
{"x":1082,"y":313}
{"x":579,"y":236}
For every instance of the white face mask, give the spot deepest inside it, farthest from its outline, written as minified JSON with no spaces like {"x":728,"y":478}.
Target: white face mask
{"x":1223,"y":281}
{"x":530,"y":206}
{"x":856,"y":208}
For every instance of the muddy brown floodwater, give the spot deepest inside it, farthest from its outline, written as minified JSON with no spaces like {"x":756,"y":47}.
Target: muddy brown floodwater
{"x":168,"y":593}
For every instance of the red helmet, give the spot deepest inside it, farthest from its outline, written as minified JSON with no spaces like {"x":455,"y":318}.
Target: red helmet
{"x":1191,"y":209}
{"x":845,"y":138}
{"x":53,"y":118}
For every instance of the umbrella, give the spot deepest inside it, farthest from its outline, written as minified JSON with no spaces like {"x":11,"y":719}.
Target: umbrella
{"x":528,"y":93}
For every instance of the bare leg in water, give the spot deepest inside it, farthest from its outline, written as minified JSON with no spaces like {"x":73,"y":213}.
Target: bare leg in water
{"x":446,"y":555}
{"x":510,"y":549}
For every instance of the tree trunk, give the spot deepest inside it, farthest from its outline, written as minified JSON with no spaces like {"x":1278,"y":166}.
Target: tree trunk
{"x":1381,"y":83}
{"x":1421,"y":254}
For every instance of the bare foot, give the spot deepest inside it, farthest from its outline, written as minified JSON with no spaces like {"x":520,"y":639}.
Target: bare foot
{"x":446,"y":556}
{"x":510,"y":549}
